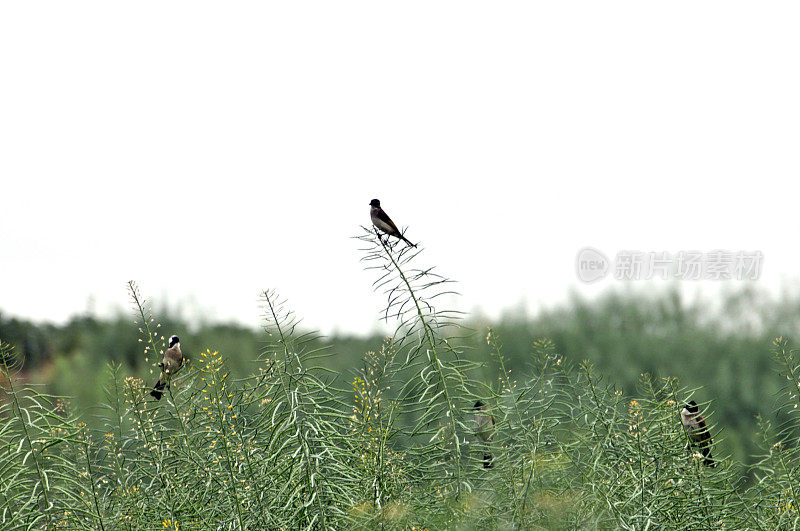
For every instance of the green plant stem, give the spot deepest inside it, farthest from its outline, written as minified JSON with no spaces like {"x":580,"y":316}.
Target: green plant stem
{"x":435,"y":363}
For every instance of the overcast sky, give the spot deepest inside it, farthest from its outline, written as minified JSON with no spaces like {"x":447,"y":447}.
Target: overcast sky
{"x":211,"y":150}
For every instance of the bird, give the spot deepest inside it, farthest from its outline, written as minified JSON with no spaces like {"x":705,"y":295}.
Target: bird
{"x":484,"y":430}
{"x":698,"y":432}
{"x":172,"y":361}
{"x":383,"y":222}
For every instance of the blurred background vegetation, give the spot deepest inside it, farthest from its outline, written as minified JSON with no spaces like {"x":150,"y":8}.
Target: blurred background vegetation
{"x":721,"y":346}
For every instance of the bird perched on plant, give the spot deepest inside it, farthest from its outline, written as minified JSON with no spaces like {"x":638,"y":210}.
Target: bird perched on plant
{"x":171,"y":362}
{"x":484,"y":429}
{"x":698,"y":432}
{"x":383,"y":222}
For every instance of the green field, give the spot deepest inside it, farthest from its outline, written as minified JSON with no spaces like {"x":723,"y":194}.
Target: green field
{"x":284,"y":429}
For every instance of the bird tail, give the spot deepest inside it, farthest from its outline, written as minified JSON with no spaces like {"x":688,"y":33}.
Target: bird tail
{"x":488,"y":461}
{"x":708,"y":461}
{"x":158,"y":390}
{"x":406,"y":240}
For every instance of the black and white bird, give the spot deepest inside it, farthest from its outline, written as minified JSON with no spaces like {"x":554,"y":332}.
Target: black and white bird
{"x":170,"y":363}
{"x":383,"y":222}
{"x":698,"y":432}
{"x":484,"y":430}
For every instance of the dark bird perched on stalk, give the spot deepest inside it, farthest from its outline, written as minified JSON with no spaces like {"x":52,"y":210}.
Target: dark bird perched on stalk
{"x":484,"y":430}
{"x":696,"y":428}
{"x":172,"y":361}
{"x":383,"y":222}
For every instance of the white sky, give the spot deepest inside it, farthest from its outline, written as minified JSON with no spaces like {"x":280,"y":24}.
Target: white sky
{"x":211,"y":150}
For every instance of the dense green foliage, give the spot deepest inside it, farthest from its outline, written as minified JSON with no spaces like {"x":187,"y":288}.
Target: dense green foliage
{"x":721,"y":348}
{"x":289,"y":430}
